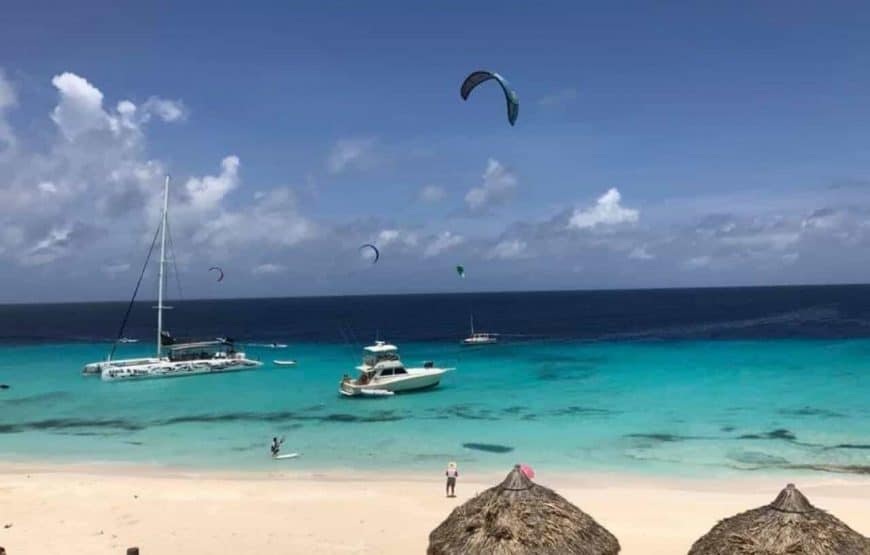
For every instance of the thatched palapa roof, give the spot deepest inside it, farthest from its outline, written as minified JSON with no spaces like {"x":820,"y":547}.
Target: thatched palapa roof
{"x":519,"y":517}
{"x":788,"y":526}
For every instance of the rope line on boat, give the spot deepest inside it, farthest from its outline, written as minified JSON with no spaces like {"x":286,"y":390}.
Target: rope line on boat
{"x":174,"y":263}
{"x":135,"y":292}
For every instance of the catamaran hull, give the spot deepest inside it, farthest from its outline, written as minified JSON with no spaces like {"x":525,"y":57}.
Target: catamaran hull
{"x":96,"y":368}
{"x":167,"y":369}
{"x":473,"y":342}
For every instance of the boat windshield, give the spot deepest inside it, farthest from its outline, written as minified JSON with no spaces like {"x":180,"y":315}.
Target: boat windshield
{"x":372,"y":360}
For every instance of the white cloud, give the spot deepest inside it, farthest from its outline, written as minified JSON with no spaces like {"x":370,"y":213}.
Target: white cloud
{"x":7,"y":100}
{"x":206,"y":193}
{"x":508,"y":249}
{"x":166,"y":110}
{"x":607,"y":211}
{"x":764,"y":239}
{"x":441,"y":243}
{"x":80,"y":109}
{"x":272,"y":221}
{"x":47,"y":187}
{"x":351,"y":154}
{"x":431,"y":194}
{"x":698,"y":262}
{"x":640,"y":253}
{"x":112,"y":270}
{"x":559,"y":98}
{"x":7,"y":93}
{"x":97,"y":164}
{"x":58,"y":243}
{"x":823,"y":219}
{"x":388,"y":237}
{"x":267,"y":268}
{"x":498,"y":186}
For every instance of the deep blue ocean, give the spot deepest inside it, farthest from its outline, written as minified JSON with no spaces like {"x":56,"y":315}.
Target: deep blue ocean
{"x":679,"y":382}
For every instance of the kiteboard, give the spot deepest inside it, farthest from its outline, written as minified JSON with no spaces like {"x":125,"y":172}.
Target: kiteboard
{"x":287,"y":456}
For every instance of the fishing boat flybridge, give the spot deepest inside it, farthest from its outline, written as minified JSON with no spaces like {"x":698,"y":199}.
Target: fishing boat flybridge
{"x":172,"y":359}
{"x":382,"y":373}
{"x":480,"y":338}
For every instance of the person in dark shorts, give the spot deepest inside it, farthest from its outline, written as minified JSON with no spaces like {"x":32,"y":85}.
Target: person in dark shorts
{"x":452,"y":474}
{"x":276,"y":446}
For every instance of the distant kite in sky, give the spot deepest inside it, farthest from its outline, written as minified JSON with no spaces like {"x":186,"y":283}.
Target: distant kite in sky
{"x":478,"y":77}
{"x":220,"y":272}
{"x":460,"y":271}
{"x":374,"y":250}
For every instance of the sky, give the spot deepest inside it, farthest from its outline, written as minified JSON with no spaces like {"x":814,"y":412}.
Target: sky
{"x":658,"y":145}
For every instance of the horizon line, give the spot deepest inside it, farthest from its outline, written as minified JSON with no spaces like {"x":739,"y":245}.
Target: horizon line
{"x":457,"y":293}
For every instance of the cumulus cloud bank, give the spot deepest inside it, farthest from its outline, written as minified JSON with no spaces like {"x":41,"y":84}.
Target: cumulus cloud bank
{"x":441,"y":243}
{"x":86,"y":197}
{"x":507,"y":249}
{"x":497,"y":188}
{"x":349,"y":154}
{"x":606,"y":211}
{"x":431,"y":194}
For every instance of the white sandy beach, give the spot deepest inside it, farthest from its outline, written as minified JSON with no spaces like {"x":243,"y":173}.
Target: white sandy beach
{"x":97,"y":510}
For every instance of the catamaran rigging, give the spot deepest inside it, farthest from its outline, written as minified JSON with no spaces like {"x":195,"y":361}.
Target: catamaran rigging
{"x":181,"y":359}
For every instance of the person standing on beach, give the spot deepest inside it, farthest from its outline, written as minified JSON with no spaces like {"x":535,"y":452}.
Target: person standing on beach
{"x":452,"y":474}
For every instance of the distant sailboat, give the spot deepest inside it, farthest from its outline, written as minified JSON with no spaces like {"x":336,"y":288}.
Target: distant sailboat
{"x":182,"y":359}
{"x":479,"y":338}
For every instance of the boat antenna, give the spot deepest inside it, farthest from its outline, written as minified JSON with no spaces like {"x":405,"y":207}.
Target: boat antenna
{"x":160,"y":278}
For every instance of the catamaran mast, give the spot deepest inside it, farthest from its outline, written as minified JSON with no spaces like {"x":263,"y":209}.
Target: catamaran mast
{"x":162,"y":264}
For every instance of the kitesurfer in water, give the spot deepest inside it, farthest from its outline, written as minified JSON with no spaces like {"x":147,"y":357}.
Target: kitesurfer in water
{"x":276,"y":446}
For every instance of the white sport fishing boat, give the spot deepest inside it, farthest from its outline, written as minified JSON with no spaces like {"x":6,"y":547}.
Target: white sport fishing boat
{"x":172,"y":359}
{"x":479,"y":337}
{"x":382,"y":373}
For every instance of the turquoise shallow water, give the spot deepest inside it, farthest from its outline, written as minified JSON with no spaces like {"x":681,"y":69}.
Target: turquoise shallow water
{"x":687,"y":408}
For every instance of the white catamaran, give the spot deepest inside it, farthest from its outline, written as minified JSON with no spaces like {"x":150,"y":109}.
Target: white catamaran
{"x":183,"y":359}
{"x":479,"y":337}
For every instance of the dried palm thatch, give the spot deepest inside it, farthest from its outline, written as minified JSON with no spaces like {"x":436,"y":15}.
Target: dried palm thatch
{"x":519,"y":517}
{"x":788,"y":526}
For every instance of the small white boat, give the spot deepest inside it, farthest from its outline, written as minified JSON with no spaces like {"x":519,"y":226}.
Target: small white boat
{"x":479,"y":337}
{"x":128,"y":340}
{"x":382,"y":373}
{"x":284,"y":362}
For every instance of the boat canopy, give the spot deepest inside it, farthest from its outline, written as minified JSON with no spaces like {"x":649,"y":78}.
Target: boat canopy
{"x":381,"y":347}
{"x":200,"y":345}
